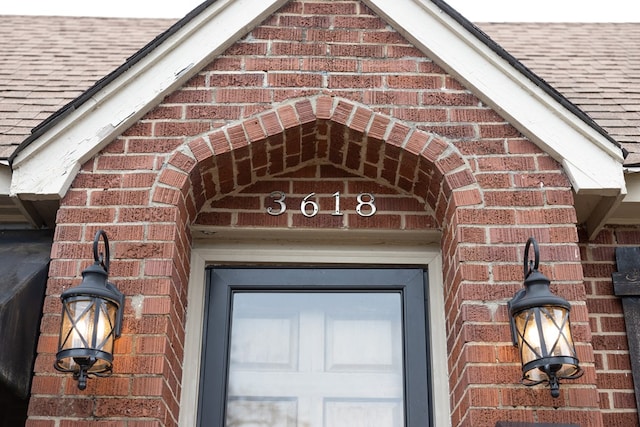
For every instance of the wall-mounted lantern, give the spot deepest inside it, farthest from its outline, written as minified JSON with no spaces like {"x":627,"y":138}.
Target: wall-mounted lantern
{"x":541,"y":330}
{"x":91,"y":321}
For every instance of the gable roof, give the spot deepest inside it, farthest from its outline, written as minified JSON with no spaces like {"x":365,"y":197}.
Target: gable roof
{"x":555,"y":124}
{"x":50,"y":61}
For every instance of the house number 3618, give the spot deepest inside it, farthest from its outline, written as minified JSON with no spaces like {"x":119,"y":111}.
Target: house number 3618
{"x":309,"y":207}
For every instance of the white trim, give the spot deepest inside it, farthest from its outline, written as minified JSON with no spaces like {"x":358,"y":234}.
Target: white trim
{"x":292,"y":248}
{"x":81,"y":134}
{"x":626,"y":213}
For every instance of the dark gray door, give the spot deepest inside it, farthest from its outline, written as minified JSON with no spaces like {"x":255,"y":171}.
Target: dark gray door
{"x":315,"y":348}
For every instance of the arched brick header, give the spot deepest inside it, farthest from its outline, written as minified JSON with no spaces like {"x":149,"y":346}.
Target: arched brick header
{"x":321,"y":128}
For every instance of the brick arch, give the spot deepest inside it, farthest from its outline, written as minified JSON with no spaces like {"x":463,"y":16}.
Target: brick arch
{"x":321,"y":128}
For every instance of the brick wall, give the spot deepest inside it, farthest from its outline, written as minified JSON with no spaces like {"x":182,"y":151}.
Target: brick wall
{"x":322,"y":97}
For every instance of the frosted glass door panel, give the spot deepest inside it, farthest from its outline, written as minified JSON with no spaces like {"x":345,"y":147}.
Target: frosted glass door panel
{"x":261,"y":413}
{"x":363,"y":414}
{"x":311,"y":359}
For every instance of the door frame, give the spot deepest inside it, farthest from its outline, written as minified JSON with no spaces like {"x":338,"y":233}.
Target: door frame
{"x":311,"y":247}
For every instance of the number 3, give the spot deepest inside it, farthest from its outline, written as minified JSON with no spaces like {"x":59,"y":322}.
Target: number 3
{"x":279,"y":201}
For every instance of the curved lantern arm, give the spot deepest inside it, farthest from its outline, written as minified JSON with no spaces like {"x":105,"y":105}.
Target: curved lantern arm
{"x":101,"y":258}
{"x":531,"y":265}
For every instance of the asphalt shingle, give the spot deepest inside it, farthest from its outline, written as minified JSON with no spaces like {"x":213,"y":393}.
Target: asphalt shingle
{"x":47,"y":61}
{"x":596,"y":66}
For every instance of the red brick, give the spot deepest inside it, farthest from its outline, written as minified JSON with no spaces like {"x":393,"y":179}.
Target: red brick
{"x":354,"y":81}
{"x":61,"y":406}
{"x":147,"y":386}
{"x":280,"y":79}
{"x":180,"y":128}
{"x":173,"y":178}
{"x":421,"y":82}
{"x":189,"y":96}
{"x":139,"y":129}
{"x":40,"y":423}
{"x":241,"y":48}
{"x":384,"y":37}
{"x":420,"y":114}
{"x":139,"y":162}
{"x":164,"y":112}
{"x":131,"y":407}
{"x":620,"y":419}
{"x":329,"y":7}
{"x":119,"y":197}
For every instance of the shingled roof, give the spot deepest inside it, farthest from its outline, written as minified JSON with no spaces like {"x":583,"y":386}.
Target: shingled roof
{"x":596,"y":66}
{"x":49,"y":61}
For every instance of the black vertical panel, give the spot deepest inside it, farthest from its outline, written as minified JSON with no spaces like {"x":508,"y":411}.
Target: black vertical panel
{"x":626,"y":284}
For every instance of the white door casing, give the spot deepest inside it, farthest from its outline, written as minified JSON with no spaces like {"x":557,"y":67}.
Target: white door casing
{"x":213,"y":246}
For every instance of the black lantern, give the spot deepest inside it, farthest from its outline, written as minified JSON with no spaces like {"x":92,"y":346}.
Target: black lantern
{"x":91,"y":321}
{"x":541,"y":330}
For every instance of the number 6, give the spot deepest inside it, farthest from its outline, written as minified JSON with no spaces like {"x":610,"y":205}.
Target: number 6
{"x":305,"y":203}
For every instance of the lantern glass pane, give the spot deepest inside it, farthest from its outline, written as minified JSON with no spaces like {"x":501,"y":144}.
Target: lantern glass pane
{"x":545,"y":342}
{"x":87,"y":330}
{"x":555,"y":327}
{"x":528,"y":337}
{"x":104,"y":334}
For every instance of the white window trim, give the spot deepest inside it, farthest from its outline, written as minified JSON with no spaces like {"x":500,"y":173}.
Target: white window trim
{"x":304,"y":247}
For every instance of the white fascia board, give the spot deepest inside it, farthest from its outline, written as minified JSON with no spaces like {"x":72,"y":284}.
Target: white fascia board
{"x":593,"y":163}
{"x":46,"y":168}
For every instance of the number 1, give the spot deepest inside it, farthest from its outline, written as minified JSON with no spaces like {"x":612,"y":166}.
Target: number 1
{"x":337,"y":211}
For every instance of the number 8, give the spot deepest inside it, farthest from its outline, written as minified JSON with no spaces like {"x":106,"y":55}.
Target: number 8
{"x":370,"y":203}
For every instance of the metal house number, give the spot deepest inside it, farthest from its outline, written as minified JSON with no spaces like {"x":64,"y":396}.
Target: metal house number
{"x":308,"y":207}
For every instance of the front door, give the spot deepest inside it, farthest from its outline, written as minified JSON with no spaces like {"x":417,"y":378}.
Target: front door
{"x":315,"y":348}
